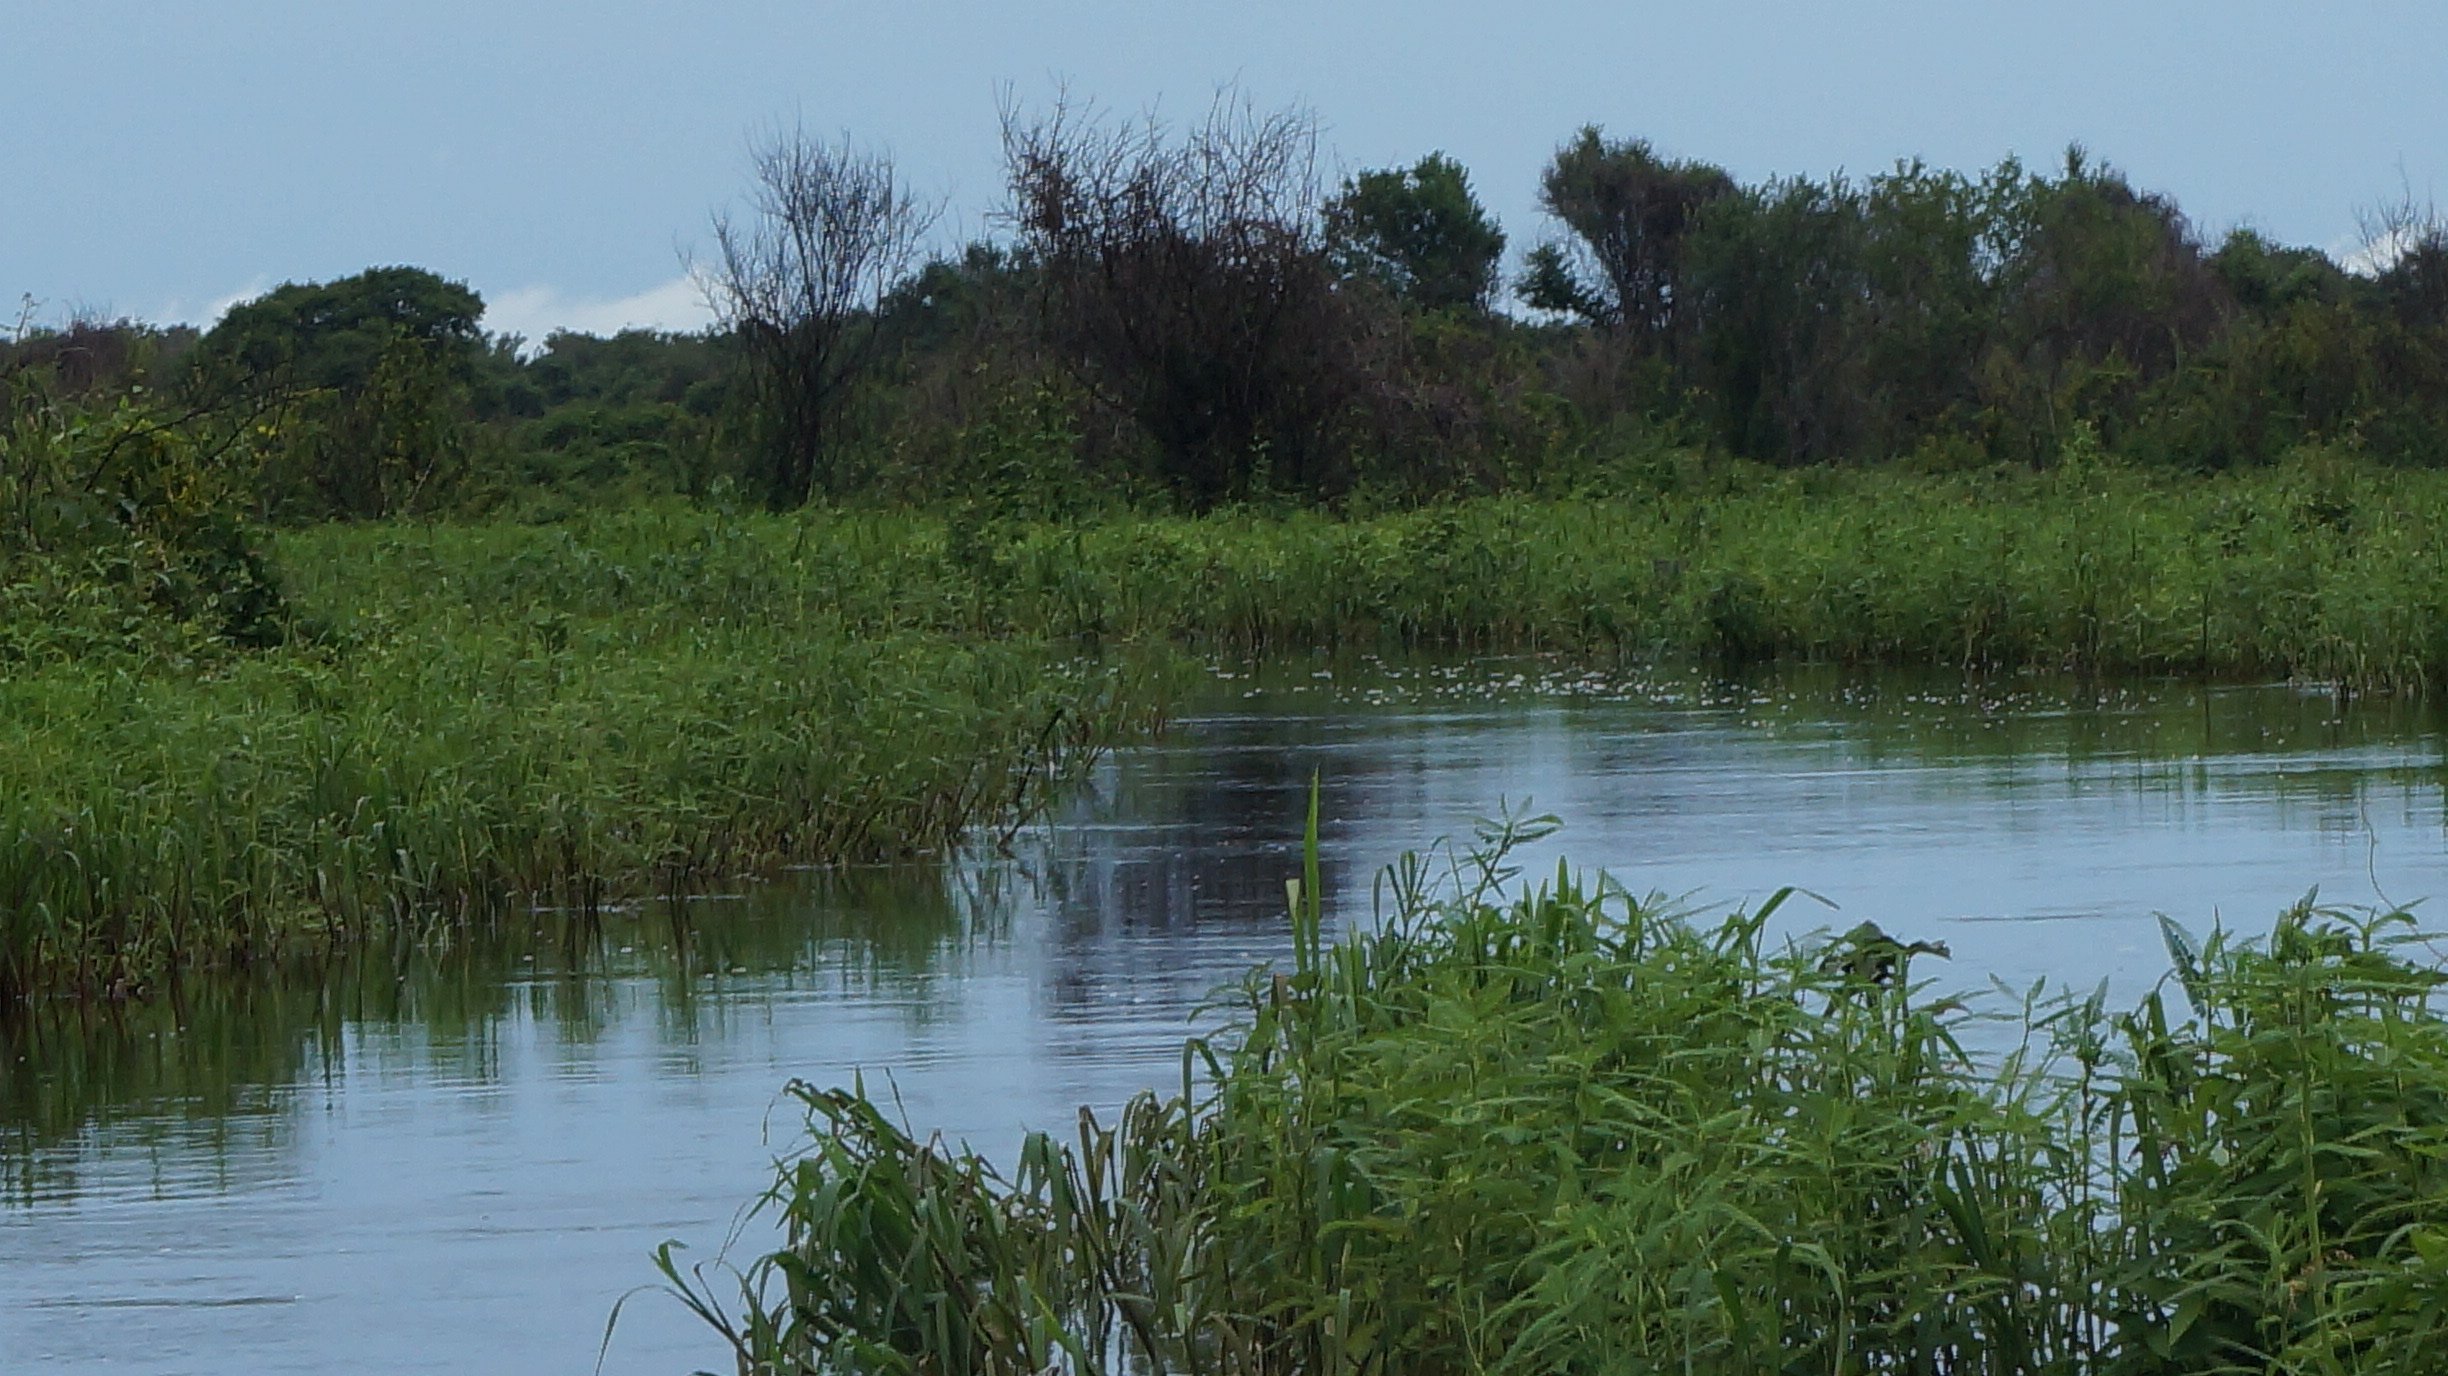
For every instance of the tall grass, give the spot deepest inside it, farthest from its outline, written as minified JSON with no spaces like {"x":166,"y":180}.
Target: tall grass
{"x":478,"y":719}
{"x":1568,"y":1132}
{"x":2323,"y":569}
{"x":461,"y":718}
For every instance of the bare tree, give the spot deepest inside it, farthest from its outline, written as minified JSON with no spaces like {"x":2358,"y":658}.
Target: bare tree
{"x":2405,"y":251}
{"x":833,"y":228}
{"x":1186,"y":281}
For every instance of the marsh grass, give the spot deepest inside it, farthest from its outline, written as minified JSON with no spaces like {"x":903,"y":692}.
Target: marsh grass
{"x":459,"y":720}
{"x":2323,"y":569}
{"x":1566,"y":1131}
{"x":476,"y":720}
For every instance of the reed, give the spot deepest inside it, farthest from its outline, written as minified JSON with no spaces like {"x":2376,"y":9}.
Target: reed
{"x":2321,"y":569}
{"x":1567,"y":1131}
{"x":458,"y":720}
{"x":469,"y":722}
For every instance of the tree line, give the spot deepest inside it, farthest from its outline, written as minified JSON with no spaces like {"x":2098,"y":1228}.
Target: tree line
{"x":1194,"y":315}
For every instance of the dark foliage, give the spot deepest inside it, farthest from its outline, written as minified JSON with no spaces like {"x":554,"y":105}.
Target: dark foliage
{"x":1185,"y":281}
{"x":363,"y":382}
{"x":1418,"y":232}
{"x":833,"y":229}
{"x":1632,"y":214}
{"x":1179,"y":315}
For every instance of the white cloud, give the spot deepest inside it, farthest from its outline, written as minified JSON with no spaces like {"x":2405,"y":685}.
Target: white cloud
{"x":2363,"y":255}
{"x":534,"y":312}
{"x":178,"y":311}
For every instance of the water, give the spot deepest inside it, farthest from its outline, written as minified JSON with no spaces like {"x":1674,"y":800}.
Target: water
{"x":458,"y":1160}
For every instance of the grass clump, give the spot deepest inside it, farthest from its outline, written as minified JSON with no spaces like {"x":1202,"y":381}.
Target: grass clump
{"x":479,"y":718}
{"x":1566,"y":1131}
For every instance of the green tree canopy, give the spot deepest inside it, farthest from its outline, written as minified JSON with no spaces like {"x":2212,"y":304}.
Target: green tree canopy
{"x":334,"y":334}
{"x":365,"y":380}
{"x":2266,"y":278}
{"x":1420,"y":232}
{"x":1631,"y":213}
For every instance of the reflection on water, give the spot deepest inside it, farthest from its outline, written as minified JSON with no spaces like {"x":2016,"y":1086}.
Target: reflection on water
{"x":455,"y":1159}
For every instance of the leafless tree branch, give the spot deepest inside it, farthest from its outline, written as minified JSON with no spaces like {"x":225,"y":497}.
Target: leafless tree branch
{"x":831,"y":228}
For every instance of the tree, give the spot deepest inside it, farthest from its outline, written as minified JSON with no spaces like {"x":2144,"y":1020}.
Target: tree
{"x":90,"y":355}
{"x":2103,"y":290}
{"x":1418,"y":231}
{"x":833,"y":228}
{"x":2268,"y":279}
{"x":365,"y":381}
{"x":1631,"y":213}
{"x":1185,"y":283}
{"x":123,"y":514}
{"x":333,"y":335}
{"x":950,"y":302}
{"x":1778,"y":279}
{"x":2405,"y":245}
{"x":1840,"y":318}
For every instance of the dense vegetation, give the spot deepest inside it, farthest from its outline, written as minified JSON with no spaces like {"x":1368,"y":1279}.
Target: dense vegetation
{"x":1186,"y":315}
{"x":422,"y":724}
{"x":343,"y":615}
{"x":462,"y":720}
{"x":1568,"y":1132}
{"x":345,"y":620}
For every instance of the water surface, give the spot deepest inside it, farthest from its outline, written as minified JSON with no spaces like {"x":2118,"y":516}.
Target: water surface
{"x":457,"y":1160}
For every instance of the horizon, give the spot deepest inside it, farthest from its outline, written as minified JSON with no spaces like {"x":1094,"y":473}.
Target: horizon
{"x":565,"y":170}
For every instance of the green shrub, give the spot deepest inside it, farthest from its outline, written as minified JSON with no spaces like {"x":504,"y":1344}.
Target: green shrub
{"x":1568,"y":1132}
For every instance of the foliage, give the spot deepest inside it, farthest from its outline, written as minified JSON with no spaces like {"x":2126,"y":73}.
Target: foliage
{"x":1186,"y":284}
{"x":2319,"y":568}
{"x":484,"y":716}
{"x":124,"y":533}
{"x":1632,"y":213}
{"x":335,"y":335}
{"x":363,"y":382}
{"x":1568,"y":1132}
{"x":1222,"y":333}
{"x":86,"y":357}
{"x":2278,"y":1155}
{"x":1419,"y":232}
{"x":474,"y":712}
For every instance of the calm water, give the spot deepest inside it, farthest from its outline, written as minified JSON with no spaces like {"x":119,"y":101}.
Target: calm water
{"x":457,"y":1161}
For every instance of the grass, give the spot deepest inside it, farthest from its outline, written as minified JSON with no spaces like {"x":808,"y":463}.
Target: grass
{"x":466,"y":718}
{"x":1564,"y":1131}
{"x":484,"y":718}
{"x":2324,"y":570}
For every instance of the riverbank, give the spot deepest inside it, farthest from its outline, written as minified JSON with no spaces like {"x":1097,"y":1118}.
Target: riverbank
{"x":466,"y":718}
{"x":2321,"y":570}
{"x":468,"y":721}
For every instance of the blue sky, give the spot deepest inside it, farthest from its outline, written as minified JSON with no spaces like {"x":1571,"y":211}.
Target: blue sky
{"x":160,"y":160}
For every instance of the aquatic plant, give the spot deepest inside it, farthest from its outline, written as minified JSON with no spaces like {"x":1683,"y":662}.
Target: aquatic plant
{"x":1566,"y":1130}
{"x":466,"y":717}
{"x":474,"y":721}
{"x":2313,"y":570}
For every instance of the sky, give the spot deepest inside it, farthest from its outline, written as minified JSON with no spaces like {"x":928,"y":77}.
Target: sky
{"x":162,"y":160}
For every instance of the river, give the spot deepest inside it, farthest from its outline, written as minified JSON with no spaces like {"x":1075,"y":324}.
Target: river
{"x":457,"y":1160}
